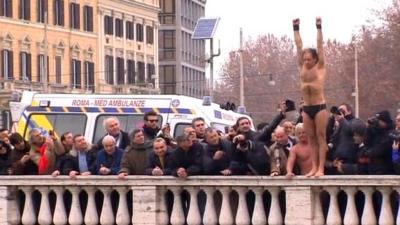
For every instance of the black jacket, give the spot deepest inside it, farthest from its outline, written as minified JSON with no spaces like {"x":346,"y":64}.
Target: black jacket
{"x":343,"y":143}
{"x":191,"y":160}
{"x":73,"y":163}
{"x":265,"y":134}
{"x":153,"y":161}
{"x":252,"y":159}
{"x":379,"y":150}
{"x":213,"y":167}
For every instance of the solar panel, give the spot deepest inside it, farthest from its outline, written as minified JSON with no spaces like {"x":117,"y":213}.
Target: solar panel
{"x":205,"y":28}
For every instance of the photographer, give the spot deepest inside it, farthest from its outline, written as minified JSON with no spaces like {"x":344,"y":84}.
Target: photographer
{"x":360,"y":167}
{"x":341,"y":143}
{"x":249,"y":157}
{"x":378,"y":144}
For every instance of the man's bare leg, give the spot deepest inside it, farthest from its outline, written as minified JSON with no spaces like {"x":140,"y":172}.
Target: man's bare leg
{"x":321,"y":121}
{"x":309,"y":127}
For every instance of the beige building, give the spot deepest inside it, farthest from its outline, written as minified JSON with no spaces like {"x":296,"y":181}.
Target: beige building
{"x":182,"y":59}
{"x":101,"y":46}
{"x":128,"y":55}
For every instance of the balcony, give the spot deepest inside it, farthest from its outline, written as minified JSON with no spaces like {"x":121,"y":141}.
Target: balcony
{"x":203,"y":199}
{"x":147,"y":88}
{"x":7,"y":86}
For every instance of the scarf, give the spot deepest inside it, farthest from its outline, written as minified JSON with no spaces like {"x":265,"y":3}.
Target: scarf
{"x":151,"y":132}
{"x":43,"y":162}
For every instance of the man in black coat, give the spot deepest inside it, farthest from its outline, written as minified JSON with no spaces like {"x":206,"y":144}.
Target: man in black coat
{"x":378,"y":144}
{"x":217,"y":154}
{"x":81,"y":160}
{"x":187,"y":158}
{"x":342,"y":145}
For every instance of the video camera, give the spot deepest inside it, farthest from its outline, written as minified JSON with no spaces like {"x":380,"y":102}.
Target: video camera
{"x":373,"y":121}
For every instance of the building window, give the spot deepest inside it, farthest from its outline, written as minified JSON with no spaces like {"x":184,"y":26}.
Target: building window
{"x":58,"y":7}
{"x":41,"y":68}
{"x":119,"y":28}
{"x":120,"y":71}
{"x":167,"y":79}
{"x":6,"y":8}
{"x":139,"y":32}
{"x":74,"y":15}
{"x":129,"y":30}
{"x":167,"y":14}
{"x":108,"y":25}
{"x":149,"y":35}
{"x":89,"y":75}
{"x":109,"y":69}
{"x":130,"y":71}
{"x":25,"y":9}
{"x":167,"y":45}
{"x":151,"y":73}
{"x":25,"y":67}
{"x":41,"y":10}
{"x":87,"y":18}
{"x":7,"y":64}
{"x":75,"y":73}
{"x":141,"y":73}
{"x":58,"y":69}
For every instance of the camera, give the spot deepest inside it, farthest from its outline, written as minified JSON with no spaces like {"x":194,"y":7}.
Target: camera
{"x":395,"y":135}
{"x":335,"y":110}
{"x":241,"y":143}
{"x":373,"y":121}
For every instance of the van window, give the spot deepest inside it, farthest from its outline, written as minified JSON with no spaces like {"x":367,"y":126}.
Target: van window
{"x":219,"y":126}
{"x":180,"y":128}
{"x":60,"y":123}
{"x":127,"y":123}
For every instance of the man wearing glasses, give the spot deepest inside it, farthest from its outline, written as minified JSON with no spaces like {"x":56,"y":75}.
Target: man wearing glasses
{"x":150,"y":127}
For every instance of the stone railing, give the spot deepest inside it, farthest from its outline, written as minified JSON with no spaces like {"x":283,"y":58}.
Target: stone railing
{"x":199,"y":200}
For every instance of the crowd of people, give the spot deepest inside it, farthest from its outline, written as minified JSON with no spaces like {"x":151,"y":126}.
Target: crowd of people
{"x":278,"y":148}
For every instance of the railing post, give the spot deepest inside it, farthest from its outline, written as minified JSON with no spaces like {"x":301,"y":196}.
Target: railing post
{"x":299,"y":205}
{"x":9,"y":211}
{"x":144,"y":206}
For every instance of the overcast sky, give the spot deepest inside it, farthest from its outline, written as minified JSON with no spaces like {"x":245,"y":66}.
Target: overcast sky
{"x":340,"y":18}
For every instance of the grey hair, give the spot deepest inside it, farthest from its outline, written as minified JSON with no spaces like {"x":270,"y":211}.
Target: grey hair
{"x":159,"y":140}
{"x":108,"y":137}
{"x":298,"y":127}
{"x":106,"y":120}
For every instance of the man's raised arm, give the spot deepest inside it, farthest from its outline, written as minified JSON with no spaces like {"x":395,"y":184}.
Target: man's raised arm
{"x":320,"y":42}
{"x":297,"y":39}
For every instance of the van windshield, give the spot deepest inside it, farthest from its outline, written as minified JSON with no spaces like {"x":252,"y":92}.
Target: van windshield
{"x":128,"y":122}
{"x":60,"y":123}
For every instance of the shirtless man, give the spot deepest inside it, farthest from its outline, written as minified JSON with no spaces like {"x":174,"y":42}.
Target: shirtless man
{"x":312,"y":78}
{"x":300,"y":153}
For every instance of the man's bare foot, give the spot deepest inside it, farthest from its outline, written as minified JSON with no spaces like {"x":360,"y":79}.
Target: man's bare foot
{"x":311,"y":173}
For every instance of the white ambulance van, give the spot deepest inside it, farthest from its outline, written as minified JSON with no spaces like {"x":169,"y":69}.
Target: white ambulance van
{"x":85,"y":113}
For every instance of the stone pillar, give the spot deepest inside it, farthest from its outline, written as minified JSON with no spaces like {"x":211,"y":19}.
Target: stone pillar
{"x":3,"y":205}
{"x":299,"y":205}
{"x":144,"y":206}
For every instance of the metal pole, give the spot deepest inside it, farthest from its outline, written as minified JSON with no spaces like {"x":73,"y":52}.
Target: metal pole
{"x":241,"y":69}
{"x":211,"y":70}
{"x":45,"y":54}
{"x":357,"y":109}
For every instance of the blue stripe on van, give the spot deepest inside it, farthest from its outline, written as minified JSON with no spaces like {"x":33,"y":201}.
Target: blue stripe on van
{"x":58,"y":109}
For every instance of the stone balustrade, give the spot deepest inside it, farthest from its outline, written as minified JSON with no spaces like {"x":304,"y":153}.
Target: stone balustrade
{"x":200,"y":200}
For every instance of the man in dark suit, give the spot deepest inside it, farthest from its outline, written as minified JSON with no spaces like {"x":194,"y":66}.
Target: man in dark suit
{"x":187,"y":158}
{"x":81,"y":160}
